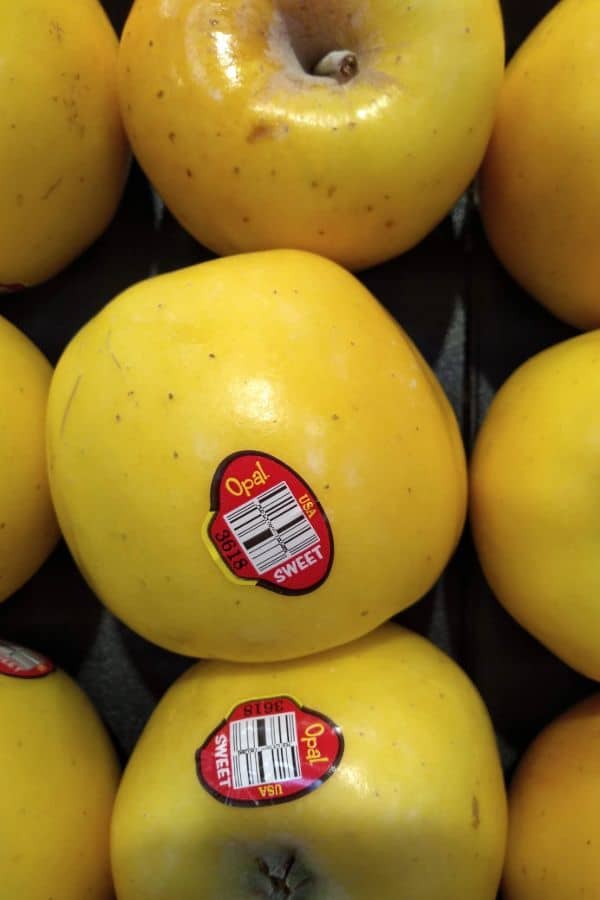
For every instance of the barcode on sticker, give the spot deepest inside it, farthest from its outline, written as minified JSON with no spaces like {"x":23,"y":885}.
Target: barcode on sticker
{"x":264,"y":750}
{"x":271,"y":527}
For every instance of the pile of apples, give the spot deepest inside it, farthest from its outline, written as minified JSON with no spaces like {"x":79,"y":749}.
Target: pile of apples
{"x":253,"y":465}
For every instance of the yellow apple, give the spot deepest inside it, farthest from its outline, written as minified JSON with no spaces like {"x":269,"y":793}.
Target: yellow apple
{"x":540,"y":181}
{"x":258,"y":136}
{"x":28,"y":527}
{"x":58,"y":780}
{"x":554,"y":811}
{"x":366,"y":771}
{"x":250,"y":459}
{"x":534,"y":511}
{"x":63,"y":154}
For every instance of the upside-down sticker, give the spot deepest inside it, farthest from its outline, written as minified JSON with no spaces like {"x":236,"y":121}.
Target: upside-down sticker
{"x":269,"y":750}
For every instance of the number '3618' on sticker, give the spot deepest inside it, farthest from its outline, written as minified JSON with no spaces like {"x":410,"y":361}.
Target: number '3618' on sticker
{"x":269,"y":750}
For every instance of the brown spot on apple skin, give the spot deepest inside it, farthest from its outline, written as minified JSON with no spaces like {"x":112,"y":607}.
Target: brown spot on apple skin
{"x":475,"y":819}
{"x":69,"y":404}
{"x":55,"y":184}
{"x":259,"y":132}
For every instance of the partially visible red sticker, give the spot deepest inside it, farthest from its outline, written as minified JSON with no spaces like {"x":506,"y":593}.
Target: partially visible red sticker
{"x":19,"y":662}
{"x":267,"y":526}
{"x":268,"y":751}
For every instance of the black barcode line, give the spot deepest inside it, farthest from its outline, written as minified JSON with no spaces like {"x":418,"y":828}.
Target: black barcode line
{"x":266,"y":498}
{"x":264,"y":750}
{"x":271,"y":527}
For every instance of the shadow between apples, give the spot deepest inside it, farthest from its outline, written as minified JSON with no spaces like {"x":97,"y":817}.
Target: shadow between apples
{"x":422,"y":296}
{"x":137,"y":244}
{"x":54,"y":613}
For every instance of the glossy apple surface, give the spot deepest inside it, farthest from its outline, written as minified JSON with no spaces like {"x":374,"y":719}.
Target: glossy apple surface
{"x":58,"y":780}
{"x":533,"y":507}
{"x":28,"y":526}
{"x":63,"y":155}
{"x":415,"y":806}
{"x":554,"y":811}
{"x":271,"y":388}
{"x":540,"y":180}
{"x":250,"y":149}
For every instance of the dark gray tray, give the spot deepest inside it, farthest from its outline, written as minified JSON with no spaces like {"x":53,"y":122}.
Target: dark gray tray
{"x":473,"y":325}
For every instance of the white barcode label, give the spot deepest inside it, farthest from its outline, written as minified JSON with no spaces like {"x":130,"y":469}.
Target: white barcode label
{"x":264,"y":750}
{"x":271,"y":527}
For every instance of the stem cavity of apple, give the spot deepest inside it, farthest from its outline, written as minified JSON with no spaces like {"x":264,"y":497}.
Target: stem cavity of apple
{"x":339,"y":64}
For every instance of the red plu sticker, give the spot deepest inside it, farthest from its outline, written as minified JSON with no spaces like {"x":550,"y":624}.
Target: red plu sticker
{"x":267,"y":751}
{"x":267,"y":526}
{"x":19,"y":662}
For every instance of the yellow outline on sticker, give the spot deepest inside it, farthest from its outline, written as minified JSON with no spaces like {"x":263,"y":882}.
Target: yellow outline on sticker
{"x":216,"y":556}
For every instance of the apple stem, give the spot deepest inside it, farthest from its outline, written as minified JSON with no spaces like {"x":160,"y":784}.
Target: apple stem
{"x":339,"y":64}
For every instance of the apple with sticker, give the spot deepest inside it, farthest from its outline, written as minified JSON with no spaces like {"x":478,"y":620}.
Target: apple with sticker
{"x":253,"y":494}
{"x":369,"y":768}
{"x":59,"y":774}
